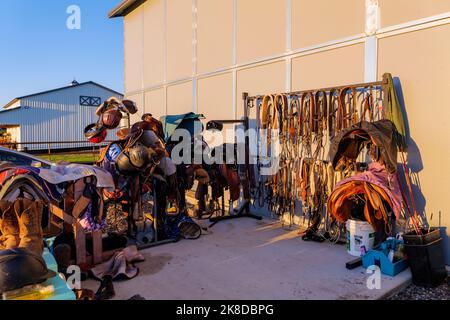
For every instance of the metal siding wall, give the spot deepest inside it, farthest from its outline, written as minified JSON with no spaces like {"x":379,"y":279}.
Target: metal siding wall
{"x":58,"y":116}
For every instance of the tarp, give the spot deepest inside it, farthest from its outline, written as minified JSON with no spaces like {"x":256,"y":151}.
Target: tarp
{"x":73,"y":172}
{"x":183,"y":121}
{"x":377,"y":175}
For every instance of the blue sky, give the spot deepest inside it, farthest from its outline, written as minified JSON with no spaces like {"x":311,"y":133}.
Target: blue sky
{"x":38,"y":52}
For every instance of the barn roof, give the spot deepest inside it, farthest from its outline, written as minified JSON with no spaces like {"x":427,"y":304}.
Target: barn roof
{"x":124,"y":8}
{"x":59,"y":89}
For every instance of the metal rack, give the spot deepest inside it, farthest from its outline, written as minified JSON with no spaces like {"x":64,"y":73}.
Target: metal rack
{"x":244,"y":210}
{"x":378,"y":89}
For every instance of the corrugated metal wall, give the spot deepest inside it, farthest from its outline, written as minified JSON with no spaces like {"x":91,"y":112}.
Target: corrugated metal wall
{"x":56,"y":116}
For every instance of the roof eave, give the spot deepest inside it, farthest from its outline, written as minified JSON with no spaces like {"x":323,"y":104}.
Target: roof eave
{"x":10,"y":103}
{"x":63,"y":88}
{"x":124,"y":8}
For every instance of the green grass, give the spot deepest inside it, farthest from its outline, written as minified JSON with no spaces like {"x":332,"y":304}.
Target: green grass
{"x":71,"y":157}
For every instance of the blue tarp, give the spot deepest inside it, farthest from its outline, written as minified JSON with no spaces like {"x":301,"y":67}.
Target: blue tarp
{"x":188,"y":121}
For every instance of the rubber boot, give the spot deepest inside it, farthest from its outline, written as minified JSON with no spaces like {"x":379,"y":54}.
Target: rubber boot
{"x":29,"y":215}
{"x":9,"y":226}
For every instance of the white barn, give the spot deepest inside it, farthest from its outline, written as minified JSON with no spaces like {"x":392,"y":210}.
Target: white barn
{"x":57,"y":115}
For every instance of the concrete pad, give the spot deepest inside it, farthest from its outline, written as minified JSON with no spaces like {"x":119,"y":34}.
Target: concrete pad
{"x":249,"y":259}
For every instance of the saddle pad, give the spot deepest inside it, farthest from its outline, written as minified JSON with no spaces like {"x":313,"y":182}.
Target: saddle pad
{"x":113,"y":152}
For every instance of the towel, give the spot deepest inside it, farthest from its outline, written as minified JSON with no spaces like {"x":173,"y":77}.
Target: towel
{"x":121,"y":264}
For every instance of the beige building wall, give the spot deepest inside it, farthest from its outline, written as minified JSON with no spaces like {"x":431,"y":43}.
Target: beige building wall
{"x":215,"y":35}
{"x":179,"y":98}
{"x":421,"y":60}
{"x":260,"y":29}
{"x":402,"y":11}
{"x":329,"y":68}
{"x":154,"y":50}
{"x":155,"y":102}
{"x":319,"y":21}
{"x":215,"y":95}
{"x":201,"y":55}
{"x":270,"y":78}
{"x":133,"y":44}
{"x":179,"y":39}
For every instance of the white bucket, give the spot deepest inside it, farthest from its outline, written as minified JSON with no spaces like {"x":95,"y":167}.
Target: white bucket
{"x":360,"y":235}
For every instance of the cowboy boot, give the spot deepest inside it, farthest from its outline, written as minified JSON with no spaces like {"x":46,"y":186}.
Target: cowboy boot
{"x":9,"y":226}
{"x":200,"y":195}
{"x":29,"y":215}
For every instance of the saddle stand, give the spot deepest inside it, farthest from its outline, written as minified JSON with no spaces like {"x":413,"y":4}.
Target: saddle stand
{"x":244,"y":210}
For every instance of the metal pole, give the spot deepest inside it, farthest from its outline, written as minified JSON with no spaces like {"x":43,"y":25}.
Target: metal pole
{"x":155,"y":210}
{"x":247,"y":148}
{"x":358,"y":85}
{"x":49,"y":152}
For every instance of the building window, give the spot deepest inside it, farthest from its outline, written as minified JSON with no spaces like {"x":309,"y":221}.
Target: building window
{"x":90,"y":101}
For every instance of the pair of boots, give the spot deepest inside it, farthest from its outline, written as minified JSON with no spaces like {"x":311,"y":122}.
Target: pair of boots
{"x":20,"y":225}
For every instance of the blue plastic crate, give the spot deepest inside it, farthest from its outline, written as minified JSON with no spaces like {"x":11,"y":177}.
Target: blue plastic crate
{"x":379,"y":256}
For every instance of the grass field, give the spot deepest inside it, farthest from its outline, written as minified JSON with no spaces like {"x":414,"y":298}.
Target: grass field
{"x":80,"y":157}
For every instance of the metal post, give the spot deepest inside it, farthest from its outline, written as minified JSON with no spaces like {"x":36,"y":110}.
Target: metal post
{"x":49,"y":153}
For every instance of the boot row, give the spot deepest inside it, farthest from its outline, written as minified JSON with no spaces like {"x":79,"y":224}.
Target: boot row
{"x":21,"y":225}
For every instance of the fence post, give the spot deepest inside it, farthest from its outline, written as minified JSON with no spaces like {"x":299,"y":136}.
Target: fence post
{"x":49,"y":153}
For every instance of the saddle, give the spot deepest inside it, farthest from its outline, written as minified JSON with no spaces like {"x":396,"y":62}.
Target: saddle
{"x":376,"y":202}
{"x":126,"y":106}
{"x":233,"y":181}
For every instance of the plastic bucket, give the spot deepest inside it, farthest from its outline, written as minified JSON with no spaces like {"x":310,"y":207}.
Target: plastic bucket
{"x":360,"y":237}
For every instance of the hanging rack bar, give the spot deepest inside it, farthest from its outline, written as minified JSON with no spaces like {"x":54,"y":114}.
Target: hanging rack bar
{"x":353,"y":86}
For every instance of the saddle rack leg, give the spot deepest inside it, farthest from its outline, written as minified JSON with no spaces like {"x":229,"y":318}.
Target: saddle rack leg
{"x":242,"y":212}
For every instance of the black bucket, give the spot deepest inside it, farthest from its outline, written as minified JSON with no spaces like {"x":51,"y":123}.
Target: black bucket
{"x":426,"y":238}
{"x":426,"y":259}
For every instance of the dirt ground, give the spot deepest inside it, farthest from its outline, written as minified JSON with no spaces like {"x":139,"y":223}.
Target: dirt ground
{"x":413,"y":292}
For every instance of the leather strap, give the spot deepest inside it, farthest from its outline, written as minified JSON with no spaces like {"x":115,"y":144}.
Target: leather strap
{"x":308,"y":113}
{"x":347,"y":113}
{"x":367,"y":108}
